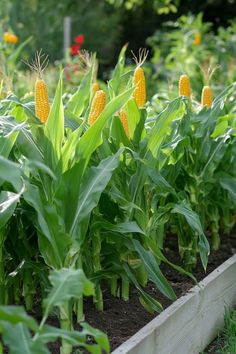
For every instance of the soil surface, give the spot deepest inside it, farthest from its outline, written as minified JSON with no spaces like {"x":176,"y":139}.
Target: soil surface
{"x":120,"y":319}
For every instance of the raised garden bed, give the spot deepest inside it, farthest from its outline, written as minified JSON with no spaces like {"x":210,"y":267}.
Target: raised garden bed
{"x":192,"y":321}
{"x":120,"y":320}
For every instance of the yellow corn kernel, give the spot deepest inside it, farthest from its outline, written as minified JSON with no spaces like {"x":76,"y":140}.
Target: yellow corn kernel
{"x":42,"y":106}
{"x":207,"y":97}
{"x":124,"y":121}
{"x":197,"y":38}
{"x":95,"y":87}
{"x":140,"y":87}
{"x":184,"y":86}
{"x":98,"y":104}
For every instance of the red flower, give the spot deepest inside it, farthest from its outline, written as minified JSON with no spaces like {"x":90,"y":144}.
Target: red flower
{"x":74,"y":49}
{"x":79,"y":39}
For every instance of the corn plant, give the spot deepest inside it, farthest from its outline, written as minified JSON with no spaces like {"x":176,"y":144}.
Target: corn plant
{"x":124,"y":247}
{"x":22,"y":334}
{"x":65,"y":185}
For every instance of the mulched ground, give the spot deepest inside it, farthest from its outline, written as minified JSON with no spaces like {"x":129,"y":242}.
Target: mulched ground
{"x":120,"y":319}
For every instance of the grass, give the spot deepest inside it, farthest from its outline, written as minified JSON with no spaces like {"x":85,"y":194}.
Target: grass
{"x":226,"y":341}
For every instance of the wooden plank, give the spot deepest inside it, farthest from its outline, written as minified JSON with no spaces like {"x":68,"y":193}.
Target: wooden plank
{"x":191,"y":322}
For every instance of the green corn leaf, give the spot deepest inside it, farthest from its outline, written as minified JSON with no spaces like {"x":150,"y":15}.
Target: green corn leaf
{"x":35,"y":166}
{"x":78,"y":339}
{"x":159,"y":256}
{"x":114,"y":83}
{"x":80,"y":99}
{"x":146,"y":300}
{"x":133,"y":116}
{"x":194,"y":222}
{"x":154,"y":272}
{"x":53,"y":242}
{"x":54,"y":129}
{"x":7,"y":143}
{"x":174,"y":111}
{"x":8,"y":203}
{"x":93,"y":184}
{"x":66,"y":284}
{"x":229,"y":183}
{"x":118,"y":134}
{"x":162,"y":186}
{"x":92,"y":138}
{"x":19,"y":340}
{"x":15,"y":315}
{"x":125,"y":227}
{"x":11,"y":172}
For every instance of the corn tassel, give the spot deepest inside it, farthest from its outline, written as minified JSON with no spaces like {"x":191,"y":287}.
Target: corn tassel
{"x":184,"y":86}
{"x":42,"y":106}
{"x":140,"y":87}
{"x":207,"y":97}
{"x":124,"y":121}
{"x":95,"y":87}
{"x":97,"y":106}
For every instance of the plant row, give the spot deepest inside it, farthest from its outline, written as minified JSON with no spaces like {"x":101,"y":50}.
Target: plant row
{"x":93,"y":185}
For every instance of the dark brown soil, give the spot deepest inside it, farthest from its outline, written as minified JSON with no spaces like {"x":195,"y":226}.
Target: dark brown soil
{"x":120,"y":319}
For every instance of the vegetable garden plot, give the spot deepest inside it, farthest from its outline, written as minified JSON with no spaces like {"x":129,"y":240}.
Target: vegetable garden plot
{"x":86,"y":200}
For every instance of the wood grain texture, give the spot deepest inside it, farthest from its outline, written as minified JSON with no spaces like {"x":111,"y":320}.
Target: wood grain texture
{"x":191,"y":322}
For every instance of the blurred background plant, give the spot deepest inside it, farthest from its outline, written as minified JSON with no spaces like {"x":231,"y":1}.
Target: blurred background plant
{"x":177,"y":43}
{"x":187,"y":46}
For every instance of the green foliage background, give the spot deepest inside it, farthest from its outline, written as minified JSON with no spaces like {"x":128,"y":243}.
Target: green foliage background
{"x":106,"y":24}
{"x":43,"y":19}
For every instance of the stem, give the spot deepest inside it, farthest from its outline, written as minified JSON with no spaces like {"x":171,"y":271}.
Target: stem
{"x":141,"y":275}
{"x":79,"y":302}
{"x":16,"y":286}
{"x":2,"y":270}
{"x":80,"y":310}
{"x":160,"y":236}
{"x":114,"y":286}
{"x":98,"y":298}
{"x":215,"y":241}
{"x":66,"y":324}
{"x":27,"y":290}
{"x":125,"y":289}
{"x":160,"y":232}
{"x":96,"y":249}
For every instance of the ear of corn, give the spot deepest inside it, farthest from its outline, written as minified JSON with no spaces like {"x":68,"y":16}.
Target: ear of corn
{"x":42,"y":106}
{"x":197,"y":38}
{"x":124,"y":121}
{"x":184,"y":86}
{"x":95,"y":87}
{"x":98,"y":104}
{"x":207,"y":97}
{"x":140,"y":87}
